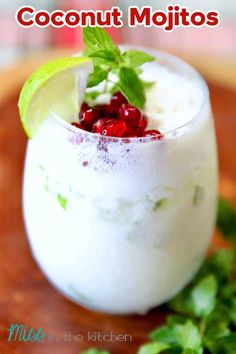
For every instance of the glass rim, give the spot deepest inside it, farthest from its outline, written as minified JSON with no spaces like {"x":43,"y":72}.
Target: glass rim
{"x":166,"y":56}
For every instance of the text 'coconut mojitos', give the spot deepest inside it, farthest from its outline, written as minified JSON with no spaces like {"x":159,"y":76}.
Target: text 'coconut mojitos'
{"x":120,"y":174}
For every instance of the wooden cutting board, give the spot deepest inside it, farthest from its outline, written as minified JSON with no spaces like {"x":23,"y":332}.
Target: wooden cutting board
{"x":26,"y":296}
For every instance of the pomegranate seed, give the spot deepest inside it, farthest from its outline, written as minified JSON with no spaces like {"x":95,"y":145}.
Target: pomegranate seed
{"x":107,"y":109}
{"x":143,"y":123}
{"x":99,"y":125}
{"x":133,"y":132}
{"x":117,"y":100}
{"x":77,"y":125}
{"x":130,"y":114}
{"x":88,"y":117}
{"x":154,"y":133}
{"x":114,"y":127}
{"x":84,"y":107}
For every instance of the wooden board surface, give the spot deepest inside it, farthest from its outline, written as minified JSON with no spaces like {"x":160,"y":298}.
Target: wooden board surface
{"x":25,"y":295}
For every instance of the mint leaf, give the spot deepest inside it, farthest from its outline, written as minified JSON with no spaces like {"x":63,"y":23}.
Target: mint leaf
{"x":153,"y":348}
{"x":97,"y":77}
{"x":105,"y":54}
{"x":159,"y":203}
{"x":148,"y":84}
{"x":233,"y":310}
{"x":105,"y":59}
{"x":62,"y":201}
{"x":176,"y":319}
{"x":204,"y":296}
{"x":198,"y":195}
{"x":164,"y":334}
{"x":95,"y":39}
{"x":133,"y":58}
{"x":226,"y":220}
{"x":189,"y":351}
{"x":184,"y":335}
{"x":183,"y":303}
{"x":131,"y":87}
{"x":220,"y":263}
{"x":91,"y":96}
{"x":217,"y":323}
{"x":189,"y":336}
{"x":225,"y":345}
{"x":197,"y":299}
{"x":94,"y":351}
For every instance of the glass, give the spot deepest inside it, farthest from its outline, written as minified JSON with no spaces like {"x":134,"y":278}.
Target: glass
{"x":121,"y":225}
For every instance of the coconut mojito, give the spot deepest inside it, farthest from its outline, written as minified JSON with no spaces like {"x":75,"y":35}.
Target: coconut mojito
{"x":120,"y":219}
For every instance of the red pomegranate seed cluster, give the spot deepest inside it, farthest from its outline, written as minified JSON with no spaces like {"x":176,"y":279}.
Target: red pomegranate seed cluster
{"x":117,"y":119}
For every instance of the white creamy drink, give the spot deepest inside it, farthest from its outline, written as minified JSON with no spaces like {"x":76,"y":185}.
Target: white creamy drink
{"x":121,"y":225}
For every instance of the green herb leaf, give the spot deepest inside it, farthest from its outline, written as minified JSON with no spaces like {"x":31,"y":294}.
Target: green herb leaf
{"x":91,"y":96}
{"x":189,"y":351}
{"x":62,"y":201}
{"x":133,"y":58}
{"x":148,"y":84}
{"x":164,"y":334}
{"x":131,"y":87}
{"x":105,"y":54}
{"x":225,"y":345}
{"x":97,"y":76}
{"x":189,"y":336}
{"x":198,"y":195}
{"x":159,"y":203}
{"x":96,"y":39}
{"x":95,"y":351}
{"x":220,"y":263}
{"x":233,"y":310}
{"x":216,"y":325}
{"x":153,"y":348}
{"x":176,"y":319}
{"x":185,"y":335}
{"x":197,"y":300}
{"x":204,"y":296}
{"x":226,"y":220}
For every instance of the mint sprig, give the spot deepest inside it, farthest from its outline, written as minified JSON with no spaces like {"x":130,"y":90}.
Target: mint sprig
{"x":107,"y":58}
{"x":204,"y":313}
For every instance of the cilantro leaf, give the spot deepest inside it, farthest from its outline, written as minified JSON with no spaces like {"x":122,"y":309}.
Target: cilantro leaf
{"x":131,"y":87}
{"x":97,"y":76}
{"x":226,"y":220}
{"x":133,"y":58}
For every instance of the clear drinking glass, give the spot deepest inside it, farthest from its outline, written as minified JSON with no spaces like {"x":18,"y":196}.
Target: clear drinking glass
{"x":121,"y":225}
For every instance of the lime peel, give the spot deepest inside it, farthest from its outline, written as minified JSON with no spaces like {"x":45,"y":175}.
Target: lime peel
{"x":57,"y":86}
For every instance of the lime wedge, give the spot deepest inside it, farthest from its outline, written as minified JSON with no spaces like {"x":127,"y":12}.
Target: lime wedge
{"x":58,"y":86}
